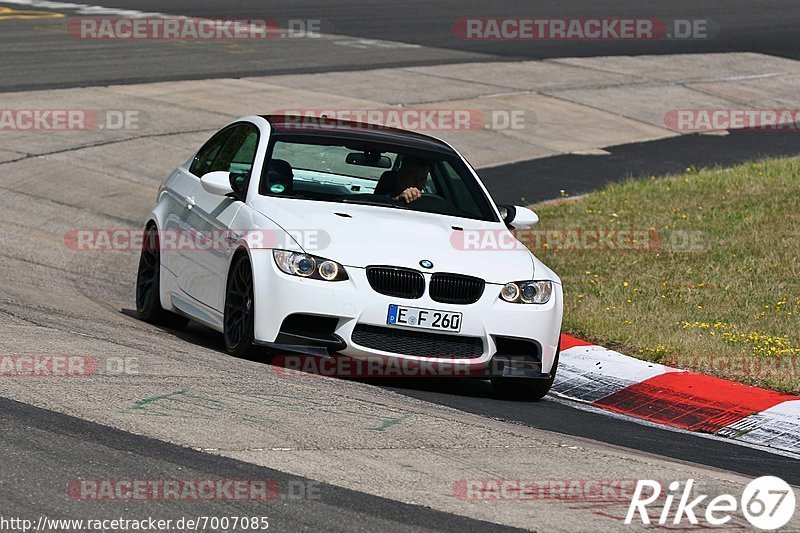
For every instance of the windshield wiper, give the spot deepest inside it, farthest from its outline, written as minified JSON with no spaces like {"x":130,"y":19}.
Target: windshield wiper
{"x":295,"y":195}
{"x":370,"y":202}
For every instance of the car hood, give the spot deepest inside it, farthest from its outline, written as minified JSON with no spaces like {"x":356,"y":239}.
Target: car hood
{"x":361,"y":235}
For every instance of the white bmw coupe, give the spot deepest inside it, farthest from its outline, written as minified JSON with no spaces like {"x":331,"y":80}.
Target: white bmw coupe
{"x":334,"y":238}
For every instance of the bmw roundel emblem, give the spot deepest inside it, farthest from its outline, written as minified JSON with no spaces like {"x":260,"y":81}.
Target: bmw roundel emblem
{"x":425,"y":264}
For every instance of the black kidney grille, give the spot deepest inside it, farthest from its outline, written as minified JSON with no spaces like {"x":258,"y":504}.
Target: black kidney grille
{"x":417,"y":343}
{"x":399,"y":282}
{"x":455,"y":288}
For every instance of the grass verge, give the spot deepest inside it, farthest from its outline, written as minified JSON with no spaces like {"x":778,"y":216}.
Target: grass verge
{"x":699,"y":270}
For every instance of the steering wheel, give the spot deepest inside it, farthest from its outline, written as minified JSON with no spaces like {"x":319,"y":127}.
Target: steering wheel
{"x":433,"y":203}
{"x":431,"y":195}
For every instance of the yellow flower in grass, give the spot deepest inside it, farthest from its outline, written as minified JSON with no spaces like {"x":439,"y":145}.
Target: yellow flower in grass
{"x":760,"y":345}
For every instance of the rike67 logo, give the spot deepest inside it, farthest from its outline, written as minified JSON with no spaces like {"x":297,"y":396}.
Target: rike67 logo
{"x":767,"y":503}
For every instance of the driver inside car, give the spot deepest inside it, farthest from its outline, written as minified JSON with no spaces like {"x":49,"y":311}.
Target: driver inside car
{"x":409,"y":180}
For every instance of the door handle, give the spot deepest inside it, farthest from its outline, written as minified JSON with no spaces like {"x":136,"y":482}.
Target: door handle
{"x":190,"y":203}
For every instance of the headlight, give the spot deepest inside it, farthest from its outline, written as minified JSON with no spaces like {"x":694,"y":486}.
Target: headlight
{"x":329,"y":270}
{"x":527,"y":292}
{"x":309,"y":266}
{"x":510,"y":292}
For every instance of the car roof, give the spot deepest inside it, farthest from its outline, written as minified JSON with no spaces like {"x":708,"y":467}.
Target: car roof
{"x":330,"y":128}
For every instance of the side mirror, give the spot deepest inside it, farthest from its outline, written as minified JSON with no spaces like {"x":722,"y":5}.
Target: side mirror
{"x":217,"y":182}
{"x":521,"y":217}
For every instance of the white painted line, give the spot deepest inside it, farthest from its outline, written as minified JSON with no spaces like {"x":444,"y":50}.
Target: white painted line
{"x":738,"y":78}
{"x":86,"y":9}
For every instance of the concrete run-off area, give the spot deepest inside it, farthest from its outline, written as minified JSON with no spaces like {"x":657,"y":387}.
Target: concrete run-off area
{"x":504,"y":112}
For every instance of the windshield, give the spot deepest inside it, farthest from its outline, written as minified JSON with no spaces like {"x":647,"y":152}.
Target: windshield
{"x":374,"y":174}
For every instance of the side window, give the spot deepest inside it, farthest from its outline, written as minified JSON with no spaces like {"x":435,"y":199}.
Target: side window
{"x":243,"y":159}
{"x":455,"y":189}
{"x":239,"y":151}
{"x":205,"y":157}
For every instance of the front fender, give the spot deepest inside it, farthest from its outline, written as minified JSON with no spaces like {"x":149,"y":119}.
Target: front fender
{"x":257,"y":236}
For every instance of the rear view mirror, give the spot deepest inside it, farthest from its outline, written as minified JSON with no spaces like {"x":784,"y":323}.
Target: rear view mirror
{"x":369,"y":159}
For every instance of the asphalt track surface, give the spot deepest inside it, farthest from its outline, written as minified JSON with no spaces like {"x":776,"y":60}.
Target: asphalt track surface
{"x":77,"y":449}
{"x":475,"y":396}
{"x":39,"y":53}
{"x":770,"y":27}
{"x":543,"y":179}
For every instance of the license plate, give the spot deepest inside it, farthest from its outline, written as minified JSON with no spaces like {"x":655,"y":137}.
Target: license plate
{"x":415,"y":317}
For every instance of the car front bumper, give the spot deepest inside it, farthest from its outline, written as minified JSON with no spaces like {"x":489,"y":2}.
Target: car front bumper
{"x":354,"y":303}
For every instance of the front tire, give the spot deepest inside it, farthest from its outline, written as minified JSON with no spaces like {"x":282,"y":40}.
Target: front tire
{"x":239,"y":308}
{"x":525,"y":389}
{"x":148,"y":282}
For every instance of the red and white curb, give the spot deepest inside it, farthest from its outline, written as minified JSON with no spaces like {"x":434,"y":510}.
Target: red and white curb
{"x":673,"y":397}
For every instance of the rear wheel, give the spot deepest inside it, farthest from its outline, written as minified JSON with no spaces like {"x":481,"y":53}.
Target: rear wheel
{"x":148,"y":279}
{"x":239,"y":308}
{"x":525,"y":389}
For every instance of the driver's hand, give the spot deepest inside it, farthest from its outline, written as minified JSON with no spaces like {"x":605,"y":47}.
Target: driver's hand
{"x":409,"y":195}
